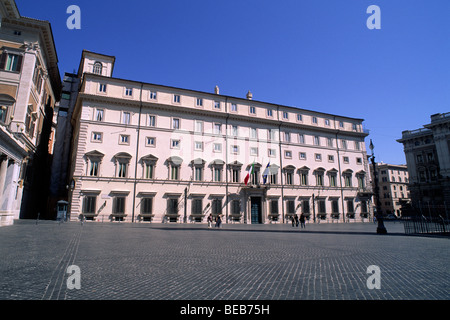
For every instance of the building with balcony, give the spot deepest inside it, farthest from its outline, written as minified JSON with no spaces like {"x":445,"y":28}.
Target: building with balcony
{"x":29,"y":87}
{"x":149,"y":152}
{"x":427,"y":152}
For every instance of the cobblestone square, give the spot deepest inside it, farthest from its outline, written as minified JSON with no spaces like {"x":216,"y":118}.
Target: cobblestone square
{"x":124,"y":261}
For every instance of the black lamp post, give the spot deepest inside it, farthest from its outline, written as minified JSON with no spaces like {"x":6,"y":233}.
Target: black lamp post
{"x":381,"y":229}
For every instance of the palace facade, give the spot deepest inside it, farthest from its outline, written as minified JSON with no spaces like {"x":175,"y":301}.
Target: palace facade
{"x":148,"y":152}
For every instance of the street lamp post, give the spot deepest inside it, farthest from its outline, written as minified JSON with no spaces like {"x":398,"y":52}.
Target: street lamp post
{"x":381,"y":229}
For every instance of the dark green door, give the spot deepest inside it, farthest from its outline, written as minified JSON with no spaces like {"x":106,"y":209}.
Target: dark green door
{"x":255,"y":209}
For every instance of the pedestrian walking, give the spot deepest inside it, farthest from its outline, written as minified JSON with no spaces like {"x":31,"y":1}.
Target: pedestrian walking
{"x":293,"y":221}
{"x":209,"y":219}
{"x":302,"y":221}
{"x":218,"y":221}
{"x":296,"y":220}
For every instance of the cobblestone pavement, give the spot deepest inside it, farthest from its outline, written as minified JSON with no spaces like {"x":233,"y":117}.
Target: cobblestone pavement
{"x":250,"y":262}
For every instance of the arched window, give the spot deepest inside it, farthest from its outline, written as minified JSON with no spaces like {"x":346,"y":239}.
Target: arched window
{"x":97,"y":69}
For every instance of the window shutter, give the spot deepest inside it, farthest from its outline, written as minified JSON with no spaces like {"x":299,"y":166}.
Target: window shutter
{"x":3,"y":60}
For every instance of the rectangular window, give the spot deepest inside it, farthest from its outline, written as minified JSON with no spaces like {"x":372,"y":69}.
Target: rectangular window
{"x":217,"y":128}
{"x":129,"y":92}
{"x":176,"y":98}
{"x":332,"y":180}
{"x":235,"y":207}
{"x":124,"y":139}
{"x":285,"y":115}
{"x":3,"y":113}
{"x":235,"y":149}
{"x":199,"y":102}
{"x":198,"y":146}
{"x":271,"y":134}
{"x":273,"y":178}
{"x":344,"y":144}
{"x":299,"y":117}
{"x":318,"y":157}
{"x":269,"y":113}
{"x":330,"y":158}
{"x":327,"y":122}
{"x":290,"y":204}
{"x":272,"y":153}
{"x":302,"y":155}
{"x":174,"y":172}
{"x":301,"y":138}
{"x":357,"y":145}
{"x":172,"y":206}
{"x":358,"y":160}
{"x":150,"y":141}
{"x":96,"y":136}
{"x":346,"y":159}
{"x":93,"y":171}
{"x":350,"y":208}
{"x":334,"y":206}
{"x":216,"y":105}
{"x":330,"y":142}
{"x":317,"y":140}
{"x":148,"y":171}
{"x":252,"y":110}
{"x":89,"y":204}
{"x":151,"y":121}
{"x":321,"y":206}
{"x":304,"y":178}
{"x":234,"y":131}
{"x":254,"y":151}
{"x":102,"y":87}
{"x":319,"y":179}
{"x":99,"y":114}
{"x":11,"y":62}
{"x":288,"y":154}
{"x":234,"y":107}
{"x":287,"y":137}
{"x":216,"y":206}
{"x":289,"y":178}
{"x":253,"y":133}
{"x":175,"y":144}
{"x":119,"y":205}
{"x":198,"y":126}
{"x":198,"y":173}
{"x":122,"y":170}
{"x":305,"y":206}
{"x":217,"y":174}
{"x":236,"y":175}
{"x":197,"y":206}
{"x":217,"y":147}
{"x":175,"y":123}
{"x":314,"y":120}
{"x":126,"y":118}
{"x":147,"y":206}
{"x":152,"y":95}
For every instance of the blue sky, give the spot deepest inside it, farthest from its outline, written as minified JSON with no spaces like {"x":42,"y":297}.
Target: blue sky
{"x":313,"y":54}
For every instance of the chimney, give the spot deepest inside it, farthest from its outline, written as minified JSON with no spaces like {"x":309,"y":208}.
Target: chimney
{"x":249,"y":95}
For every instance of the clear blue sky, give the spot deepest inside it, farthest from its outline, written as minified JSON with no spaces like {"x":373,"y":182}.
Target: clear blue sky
{"x":313,"y":54}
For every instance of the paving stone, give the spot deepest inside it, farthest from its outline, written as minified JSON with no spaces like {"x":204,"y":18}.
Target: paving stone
{"x":125,"y":261}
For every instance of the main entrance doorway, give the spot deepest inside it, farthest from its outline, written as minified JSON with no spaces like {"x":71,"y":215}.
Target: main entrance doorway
{"x":255,"y":210}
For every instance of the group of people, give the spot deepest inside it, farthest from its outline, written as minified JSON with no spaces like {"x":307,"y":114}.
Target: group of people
{"x":296,"y":221}
{"x":218,"y":221}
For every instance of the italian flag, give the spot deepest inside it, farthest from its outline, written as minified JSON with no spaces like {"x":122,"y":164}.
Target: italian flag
{"x":249,"y":172}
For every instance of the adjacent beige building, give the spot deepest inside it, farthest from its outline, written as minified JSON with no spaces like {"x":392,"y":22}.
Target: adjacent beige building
{"x":148,"y":152}
{"x":393,"y":183}
{"x":29,"y":81}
